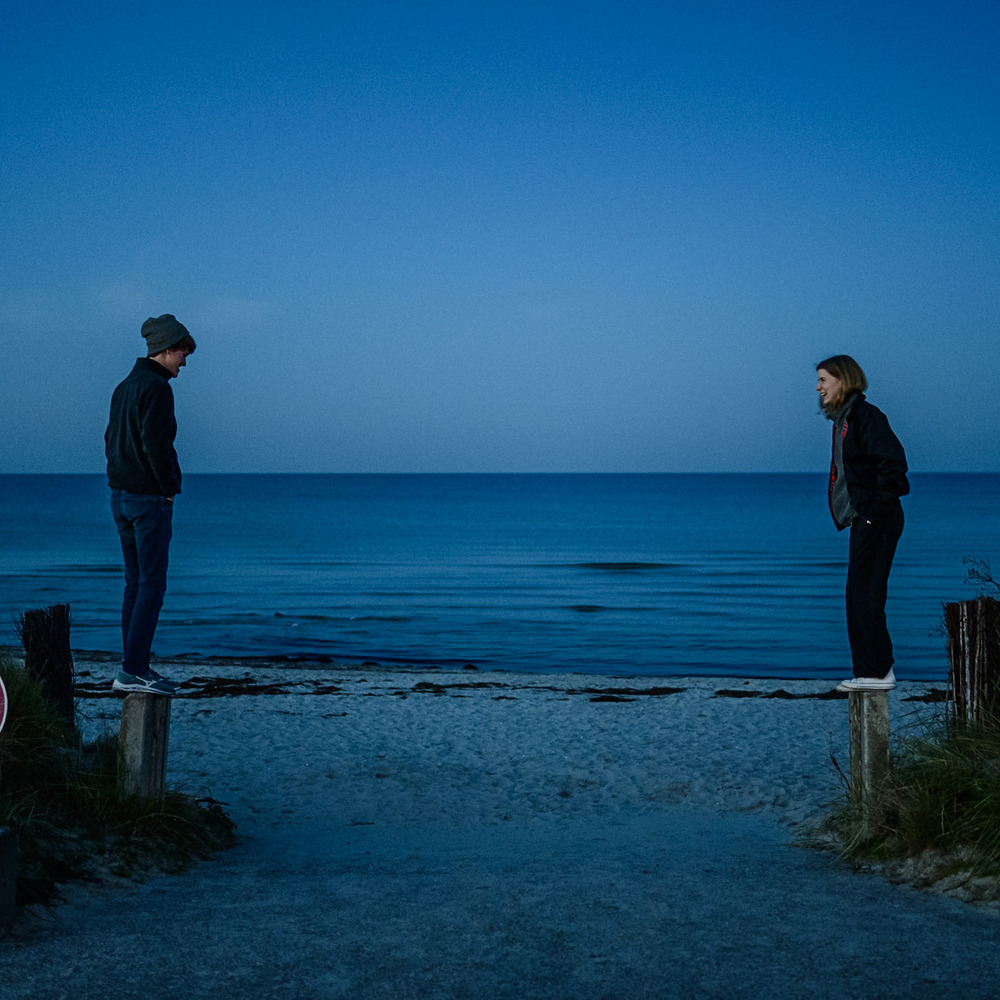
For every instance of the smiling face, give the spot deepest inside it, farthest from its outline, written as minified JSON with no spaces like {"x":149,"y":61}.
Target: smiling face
{"x":830,"y":389}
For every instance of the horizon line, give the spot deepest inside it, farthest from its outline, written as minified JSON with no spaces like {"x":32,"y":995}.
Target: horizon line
{"x":661,"y":472}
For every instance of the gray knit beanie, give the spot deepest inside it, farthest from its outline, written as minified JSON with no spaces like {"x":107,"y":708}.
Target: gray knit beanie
{"x":165,"y":332}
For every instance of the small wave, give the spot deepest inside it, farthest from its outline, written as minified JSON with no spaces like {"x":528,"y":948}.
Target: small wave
{"x":625,"y":567}
{"x":77,"y":569}
{"x":311,"y":618}
{"x":320,"y":563}
{"x":618,"y":609}
{"x":222,"y":618}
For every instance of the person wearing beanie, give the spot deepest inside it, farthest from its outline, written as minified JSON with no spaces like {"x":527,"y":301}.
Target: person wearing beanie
{"x":867,"y":479}
{"x":145,"y":477}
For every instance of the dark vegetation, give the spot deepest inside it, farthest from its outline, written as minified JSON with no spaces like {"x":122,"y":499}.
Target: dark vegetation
{"x":66,"y":802}
{"x":941,"y":800}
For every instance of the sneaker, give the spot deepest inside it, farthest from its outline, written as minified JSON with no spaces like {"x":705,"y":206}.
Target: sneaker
{"x":886,"y":683}
{"x":144,"y":685}
{"x":159,"y":677}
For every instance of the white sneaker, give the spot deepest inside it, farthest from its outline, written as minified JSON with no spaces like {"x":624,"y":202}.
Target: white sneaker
{"x":886,"y":683}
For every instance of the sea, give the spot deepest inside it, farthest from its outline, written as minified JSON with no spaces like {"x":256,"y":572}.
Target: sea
{"x":727,"y":575}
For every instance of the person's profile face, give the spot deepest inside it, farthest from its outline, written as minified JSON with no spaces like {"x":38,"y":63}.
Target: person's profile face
{"x":173,"y":360}
{"x":830,"y":389}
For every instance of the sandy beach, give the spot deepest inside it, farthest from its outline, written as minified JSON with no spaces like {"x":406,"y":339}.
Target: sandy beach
{"x":416,"y":833}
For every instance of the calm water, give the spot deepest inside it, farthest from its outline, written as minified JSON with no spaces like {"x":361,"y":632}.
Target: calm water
{"x":738,"y":575}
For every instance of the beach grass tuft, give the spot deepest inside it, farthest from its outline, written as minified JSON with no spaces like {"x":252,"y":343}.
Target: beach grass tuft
{"x":940,"y":802}
{"x":65,"y":800}
{"x":947,"y":785}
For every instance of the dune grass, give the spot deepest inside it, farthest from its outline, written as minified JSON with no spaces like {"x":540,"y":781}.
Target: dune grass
{"x":73,"y":818}
{"x":946,"y":787}
{"x":941,"y":800}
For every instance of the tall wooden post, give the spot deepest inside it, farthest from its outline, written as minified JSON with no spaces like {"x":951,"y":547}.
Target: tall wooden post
{"x":974,"y":659}
{"x":868,"y":714}
{"x":143,"y":739}
{"x":45,"y":636}
{"x":8,"y":878}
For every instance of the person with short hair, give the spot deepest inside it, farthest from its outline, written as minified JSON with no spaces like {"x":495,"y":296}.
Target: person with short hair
{"x":145,"y":477}
{"x":867,"y":479}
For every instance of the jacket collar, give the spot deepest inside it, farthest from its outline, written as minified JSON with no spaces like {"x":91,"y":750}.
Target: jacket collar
{"x":149,"y":365}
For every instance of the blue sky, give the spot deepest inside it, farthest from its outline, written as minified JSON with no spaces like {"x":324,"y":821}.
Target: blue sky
{"x":584,"y":236}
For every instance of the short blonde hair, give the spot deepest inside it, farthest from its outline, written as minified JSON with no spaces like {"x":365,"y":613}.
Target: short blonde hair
{"x":850,"y":374}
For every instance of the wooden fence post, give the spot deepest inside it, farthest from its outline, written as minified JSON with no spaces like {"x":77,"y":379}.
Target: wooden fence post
{"x":868,"y":715}
{"x":143,"y":739}
{"x":45,"y":636}
{"x":8,"y":878}
{"x":974,"y":659}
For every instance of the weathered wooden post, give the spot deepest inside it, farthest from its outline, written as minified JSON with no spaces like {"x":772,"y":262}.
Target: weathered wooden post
{"x":8,"y":878}
{"x":868,"y":716}
{"x":45,"y":636}
{"x":974,"y":659}
{"x":142,"y":740}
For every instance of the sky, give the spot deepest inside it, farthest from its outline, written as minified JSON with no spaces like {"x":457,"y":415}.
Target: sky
{"x":563,"y":236}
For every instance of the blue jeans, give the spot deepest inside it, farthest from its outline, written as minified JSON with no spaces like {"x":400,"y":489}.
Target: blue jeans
{"x":145,"y":524}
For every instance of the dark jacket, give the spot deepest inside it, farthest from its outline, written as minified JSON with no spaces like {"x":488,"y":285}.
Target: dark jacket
{"x":139,"y":441}
{"x":874,"y":461}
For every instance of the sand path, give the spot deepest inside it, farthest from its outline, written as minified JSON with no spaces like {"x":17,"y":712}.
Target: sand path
{"x":511,"y":839}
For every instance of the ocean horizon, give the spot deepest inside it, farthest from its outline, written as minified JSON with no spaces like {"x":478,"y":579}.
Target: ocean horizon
{"x":651,"y":574}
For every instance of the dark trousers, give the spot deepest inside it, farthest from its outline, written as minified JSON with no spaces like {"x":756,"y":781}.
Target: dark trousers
{"x":873,"y":545}
{"x":145,"y":525}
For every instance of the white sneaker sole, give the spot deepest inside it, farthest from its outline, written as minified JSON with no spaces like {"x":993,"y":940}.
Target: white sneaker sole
{"x":139,"y":689}
{"x":865,"y":684}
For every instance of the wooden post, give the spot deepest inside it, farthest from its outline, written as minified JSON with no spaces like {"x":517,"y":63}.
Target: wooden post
{"x":45,"y":636}
{"x":974,"y":659}
{"x":868,"y":714}
{"x":143,"y":738}
{"x":8,"y":878}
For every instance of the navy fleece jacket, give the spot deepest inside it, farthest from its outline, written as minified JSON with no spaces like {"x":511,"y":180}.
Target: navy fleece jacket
{"x":139,"y":441}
